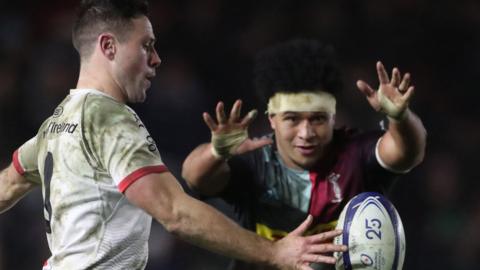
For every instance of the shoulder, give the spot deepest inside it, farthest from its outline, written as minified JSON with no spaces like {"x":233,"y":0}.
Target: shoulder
{"x":355,"y":142}
{"x":103,"y":108}
{"x":101,"y":112}
{"x":347,"y":136}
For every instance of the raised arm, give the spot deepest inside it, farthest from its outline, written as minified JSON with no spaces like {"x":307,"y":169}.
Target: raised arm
{"x":196,"y":222}
{"x":13,"y":187}
{"x":205,"y":169}
{"x":402,"y":147}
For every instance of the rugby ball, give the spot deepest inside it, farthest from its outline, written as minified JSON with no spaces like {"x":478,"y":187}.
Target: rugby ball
{"x":373,"y":232}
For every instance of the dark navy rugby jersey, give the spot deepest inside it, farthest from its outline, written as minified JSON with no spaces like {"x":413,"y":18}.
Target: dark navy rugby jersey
{"x":273,"y":199}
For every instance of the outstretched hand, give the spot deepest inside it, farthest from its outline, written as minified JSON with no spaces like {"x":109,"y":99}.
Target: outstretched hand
{"x":297,"y":252}
{"x":393,"y":96}
{"x":230,"y":134}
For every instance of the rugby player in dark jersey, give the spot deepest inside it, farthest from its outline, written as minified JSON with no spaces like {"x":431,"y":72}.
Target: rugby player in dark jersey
{"x":306,"y":166}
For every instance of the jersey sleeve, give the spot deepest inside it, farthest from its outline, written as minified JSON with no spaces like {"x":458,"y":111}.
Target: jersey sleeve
{"x":378,"y":178}
{"x":25,"y":161}
{"x":119,"y":142}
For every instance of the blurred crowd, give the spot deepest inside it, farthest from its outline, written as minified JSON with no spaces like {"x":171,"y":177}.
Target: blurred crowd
{"x":207,"y":49}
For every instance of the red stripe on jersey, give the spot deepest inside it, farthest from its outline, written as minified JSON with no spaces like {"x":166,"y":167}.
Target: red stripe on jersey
{"x":321,"y":207}
{"x":134,"y":176}
{"x":318,"y":195}
{"x":16,"y":163}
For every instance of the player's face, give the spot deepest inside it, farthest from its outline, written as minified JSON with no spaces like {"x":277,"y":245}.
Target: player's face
{"x":136,"y":60}
{"x":302,"y":137}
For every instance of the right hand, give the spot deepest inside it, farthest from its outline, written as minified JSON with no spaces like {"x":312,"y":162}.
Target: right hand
{"x":232,"y":126}
{"x":393,"y":96}
{"x":297,"y":252}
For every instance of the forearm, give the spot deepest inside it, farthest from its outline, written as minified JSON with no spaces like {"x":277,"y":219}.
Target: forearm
{"x":405,"y":141}
{"x":5,"y":201}
{"x":12,"y":188}
{"x":204,"y":172}
{"x":217,"y":233}
{"x":194,"y":221}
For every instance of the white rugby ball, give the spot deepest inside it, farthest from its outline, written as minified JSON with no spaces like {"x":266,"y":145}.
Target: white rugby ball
{"x":373,"y":232}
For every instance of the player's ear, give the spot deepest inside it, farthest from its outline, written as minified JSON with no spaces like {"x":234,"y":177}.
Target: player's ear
{"x":107,"y":44}
{"x":271,"y":118}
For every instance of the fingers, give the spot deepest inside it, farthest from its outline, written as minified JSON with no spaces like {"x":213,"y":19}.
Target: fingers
{"x":220,"y":111}
{"x":325,"y":236}
{"x":327,"y":247}
{"x":209,"y":121}
{"x":382,"y":73}
{"x":235,"y":112}
{"x":318,"y":258}
{"x":408,"y":95}
{"x":316,"y":252}
{"x":257,"y":143}
{"x":305,"y":267}
{"x":403,"y":87}
{"x":234,"y":115}
{"x":249,"y":118}
{"x":365,"y":88}
{"x":397,"y":80}
{"x":304,"y":226}
{"x":395,"y":77}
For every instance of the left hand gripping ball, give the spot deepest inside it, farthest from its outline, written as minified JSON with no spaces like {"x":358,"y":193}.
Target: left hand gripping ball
{"x":373,"y":232}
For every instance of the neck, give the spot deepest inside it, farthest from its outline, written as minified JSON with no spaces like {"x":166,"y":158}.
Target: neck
{"x":95,"y":76}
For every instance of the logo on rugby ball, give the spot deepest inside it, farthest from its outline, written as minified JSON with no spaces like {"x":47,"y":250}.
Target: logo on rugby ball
{"x":366,"y":260}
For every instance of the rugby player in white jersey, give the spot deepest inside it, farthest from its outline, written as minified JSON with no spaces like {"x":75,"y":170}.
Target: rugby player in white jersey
{"x":101,"y":173}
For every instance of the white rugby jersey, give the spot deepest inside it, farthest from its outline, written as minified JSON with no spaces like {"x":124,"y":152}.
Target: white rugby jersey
{"x":85,"y":156}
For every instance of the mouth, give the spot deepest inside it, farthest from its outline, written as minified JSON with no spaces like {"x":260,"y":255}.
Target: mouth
{"x":306,"y":150}
{"x":148,"y":79}
{"x":150,"y":76}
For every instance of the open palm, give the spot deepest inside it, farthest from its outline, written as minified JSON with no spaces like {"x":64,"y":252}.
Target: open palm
{"x":393,"y":96}
{"x":234,"y":124}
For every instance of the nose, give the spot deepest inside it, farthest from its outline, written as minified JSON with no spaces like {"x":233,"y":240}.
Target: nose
{"x":155,"y":60}
{"x":305,"y":131}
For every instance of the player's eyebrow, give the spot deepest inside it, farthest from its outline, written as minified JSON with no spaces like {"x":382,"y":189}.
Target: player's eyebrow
{"x":151,"y":40}
{"x":289,"y":112}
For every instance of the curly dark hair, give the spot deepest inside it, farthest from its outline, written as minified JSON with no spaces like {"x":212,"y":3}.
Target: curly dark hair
{"x":97,"y":16}
{"x":296,"y":66}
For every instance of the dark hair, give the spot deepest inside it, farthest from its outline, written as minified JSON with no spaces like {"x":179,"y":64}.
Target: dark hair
{"x":97,"y":16}
{"x":296,"y":66}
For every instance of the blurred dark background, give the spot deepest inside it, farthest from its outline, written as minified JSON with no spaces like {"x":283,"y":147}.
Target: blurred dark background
{"x":207,"y":49}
